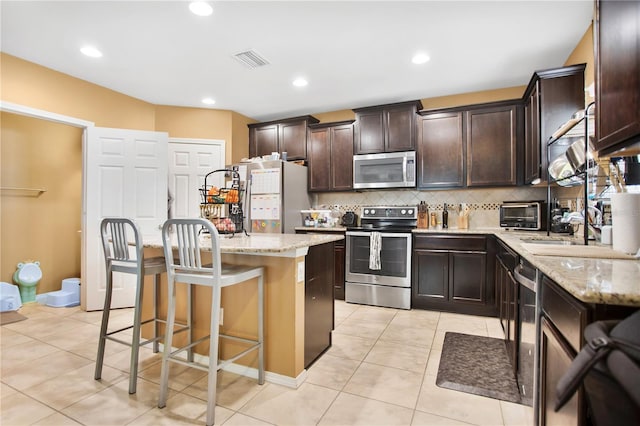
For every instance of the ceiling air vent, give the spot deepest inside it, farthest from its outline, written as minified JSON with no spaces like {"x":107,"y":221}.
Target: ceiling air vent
{"x":251,"y":59}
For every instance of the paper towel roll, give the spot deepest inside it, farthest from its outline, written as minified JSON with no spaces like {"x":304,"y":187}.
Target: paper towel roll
{"x":625,"y":217}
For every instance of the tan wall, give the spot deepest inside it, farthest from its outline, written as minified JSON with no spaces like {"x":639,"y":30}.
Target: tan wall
{"x":240,"y":134}
{"x":583,"y":53}
{"x":44,"y":227}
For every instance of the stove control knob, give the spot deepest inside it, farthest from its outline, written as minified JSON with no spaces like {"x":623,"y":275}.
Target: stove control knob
{"x":403,"y":211}
{"x":366,"y":211}
{"x":410,"y":211}
{"x":372,"y":212}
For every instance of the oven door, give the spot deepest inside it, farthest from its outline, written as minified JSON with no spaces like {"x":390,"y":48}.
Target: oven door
{"x":395,"y":259}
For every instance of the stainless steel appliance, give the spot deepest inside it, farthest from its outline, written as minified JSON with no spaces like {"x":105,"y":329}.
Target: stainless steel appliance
{"x":385,"y":170}
{"x":527,"y":277}
{"x":525,"y":215}
{"x":276,"y":192}
{"x":378,"y":258}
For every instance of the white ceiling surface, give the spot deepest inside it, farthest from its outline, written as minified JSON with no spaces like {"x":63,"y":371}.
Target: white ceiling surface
{"x":354,"y":53}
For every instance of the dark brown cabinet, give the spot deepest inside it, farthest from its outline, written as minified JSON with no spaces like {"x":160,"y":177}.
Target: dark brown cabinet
{"x":339,"y":253}
{"x":440,"y":150}
{"x":470,"y":145}
{"x":506,"y":295}
{"x":288,"y":136}
{"x":450,"y":274}
{"x":617,"y":58}
{"x":551,"y":98}
{"x":330,"y":157}
{"x":386,"y":128}
{"x":318,"y":306}
{"x":493,"y":134}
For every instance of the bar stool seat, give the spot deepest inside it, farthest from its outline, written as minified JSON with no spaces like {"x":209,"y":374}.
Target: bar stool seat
{"x":116,"y":246}
{"x":188,"y":268}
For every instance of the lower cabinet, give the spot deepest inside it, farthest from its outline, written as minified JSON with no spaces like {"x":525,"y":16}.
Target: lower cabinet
{"x":318,"y":304}
{"x":506,"y":296}
{"x":339,"y":253}
{"x":450,"y":274}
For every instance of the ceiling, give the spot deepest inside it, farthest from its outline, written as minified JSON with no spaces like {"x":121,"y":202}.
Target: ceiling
{"x":353,"y":53}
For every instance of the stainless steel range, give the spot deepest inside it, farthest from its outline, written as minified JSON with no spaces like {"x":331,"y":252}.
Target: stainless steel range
{"x":378,"y":259}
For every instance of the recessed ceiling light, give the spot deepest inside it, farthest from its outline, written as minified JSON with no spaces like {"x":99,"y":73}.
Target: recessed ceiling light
{"x":91,"y":51}
{"x":200,"y":8}
{"x":420,"y":58}
{"x":300,"y":82}
{"x":208,"y":101}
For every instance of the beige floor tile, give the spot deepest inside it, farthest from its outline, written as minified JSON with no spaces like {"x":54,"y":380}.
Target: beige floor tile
{"x":494,"y":329}
{"x":342,"y":311}
{"x":361,"y":328}
{"x":122,"y":407}
{"x":6,"y":390}
{"x":351,"y":347}
{"x":438,"y":340}
{"x":42,"y":369}
{"x":10,"y":338}
{"x":82,"y":333}
{"x":285,"y":406}
{"x":456,"y":405}
{"x":181,"y":409}
{"x":460,"y":324}
{"x":426,"y":419}
{"x":18,"y":409}
{"x":332,"y":372}
{"x":239,"y":419}
{"x":233,"y":390}
{"x":122,"y":360}
{"x":373,"y":314}
{"x":399,"y":387}
{"x":45,"y":325}
{"x":15,"y":356}
{"x":180,"y":376}
{"x":56,"y":419}
{"x":350,"y":409}
{"x":403,"y":356}
{"x":516,"y":414}
{"x":417,"y":318}
{"x":93,"y":317}
{"x":433,"y":362}
{"x":73,"y":386}
{"x":414,"y":336}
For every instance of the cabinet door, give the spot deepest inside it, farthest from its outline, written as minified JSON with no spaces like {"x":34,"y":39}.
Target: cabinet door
{"x":555,"y":359}
{"x":491,"y":146}
{"x":319,"y":162}
{"x":339,"y":269}
{"x":293,"y":140}
{"x":440,"y":151}
{"x":617,"y":73}
{"x":369,"y":136}
{"x":532,"y":144}
{"x":263,"y":140}
{"x":342,"y":157}
{"x":399,"y":128}
{"x":431,"y":278}
{"x":468,"y":273}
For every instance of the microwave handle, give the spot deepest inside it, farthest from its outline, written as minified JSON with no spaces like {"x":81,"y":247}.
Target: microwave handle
{"x":404,"y":169}
{"x":519,"y":205}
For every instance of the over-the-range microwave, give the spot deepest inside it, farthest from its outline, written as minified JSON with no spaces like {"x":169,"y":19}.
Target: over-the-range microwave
{"x":385,"y":170}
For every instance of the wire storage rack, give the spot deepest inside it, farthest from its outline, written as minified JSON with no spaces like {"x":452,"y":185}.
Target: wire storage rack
{"x":223,"y":206}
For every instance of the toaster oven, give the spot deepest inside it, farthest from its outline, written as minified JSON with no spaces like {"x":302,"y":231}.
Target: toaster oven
{"x":526,"y":215}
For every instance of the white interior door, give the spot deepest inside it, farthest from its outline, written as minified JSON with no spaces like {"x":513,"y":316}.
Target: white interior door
{"x":189,"y":161}
{"x":125,"y":174}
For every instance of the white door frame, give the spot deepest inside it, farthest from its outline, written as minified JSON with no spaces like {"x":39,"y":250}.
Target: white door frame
{"x":74,"y":122}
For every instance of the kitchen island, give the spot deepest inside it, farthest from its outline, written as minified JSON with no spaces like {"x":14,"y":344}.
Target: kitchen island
{"x":286,"y":258}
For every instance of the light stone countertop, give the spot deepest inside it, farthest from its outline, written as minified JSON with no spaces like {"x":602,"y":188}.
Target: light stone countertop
{"x":265,"y":244}
{"x":590,"y":280}
{"x":321,"y":229}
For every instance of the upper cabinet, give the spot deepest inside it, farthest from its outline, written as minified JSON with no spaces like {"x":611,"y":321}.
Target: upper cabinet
{"x":288,"y":136}
{"x":617,"y":57}
{"x":331,"y":156}
{"x":474,"y":145}
{"x":551,"y":98}
{"x":386,"y":128}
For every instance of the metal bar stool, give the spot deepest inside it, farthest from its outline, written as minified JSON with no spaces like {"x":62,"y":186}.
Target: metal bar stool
{"x":116,"y":248}
{"x":188,"y":268}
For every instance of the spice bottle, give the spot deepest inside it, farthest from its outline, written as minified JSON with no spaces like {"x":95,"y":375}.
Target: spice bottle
{"x":434,"y":220}
{"x":445,"y":217}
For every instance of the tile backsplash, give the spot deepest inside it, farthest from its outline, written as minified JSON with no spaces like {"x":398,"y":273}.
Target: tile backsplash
{"x":484,"y":203}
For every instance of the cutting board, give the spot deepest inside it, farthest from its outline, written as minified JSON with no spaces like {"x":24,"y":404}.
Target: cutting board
{"x":576,"y":251}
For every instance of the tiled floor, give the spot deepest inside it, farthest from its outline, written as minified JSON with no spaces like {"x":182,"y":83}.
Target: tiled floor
{"x":381,"y":370}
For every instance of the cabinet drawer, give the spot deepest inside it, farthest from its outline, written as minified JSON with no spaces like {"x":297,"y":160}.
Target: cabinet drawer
{"x":568,"y":315}
{"x":451,"y":242}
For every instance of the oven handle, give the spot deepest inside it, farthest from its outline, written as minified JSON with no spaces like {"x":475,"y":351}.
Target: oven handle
{"x":382,"y":234}
{"x":530,"y":284}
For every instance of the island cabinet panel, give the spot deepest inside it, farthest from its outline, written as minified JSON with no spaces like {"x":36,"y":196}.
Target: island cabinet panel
{"x":617,"y":58}
{"x":440,"y":150}
{"x":386,"y":128}
{"x":551,"y":98}
{"x":330,"y":158}
{"x":450,"y":273}
{"x":288,"y":136}
{"x":338,"y":260}
{"x":319,"y":312}
{"x":492,"y":139}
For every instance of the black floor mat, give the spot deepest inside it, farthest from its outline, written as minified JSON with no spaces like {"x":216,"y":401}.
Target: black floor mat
{"x":477,"y":365}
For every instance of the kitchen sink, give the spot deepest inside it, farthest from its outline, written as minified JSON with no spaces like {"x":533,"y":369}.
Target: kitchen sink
{"x":546,"y":241}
